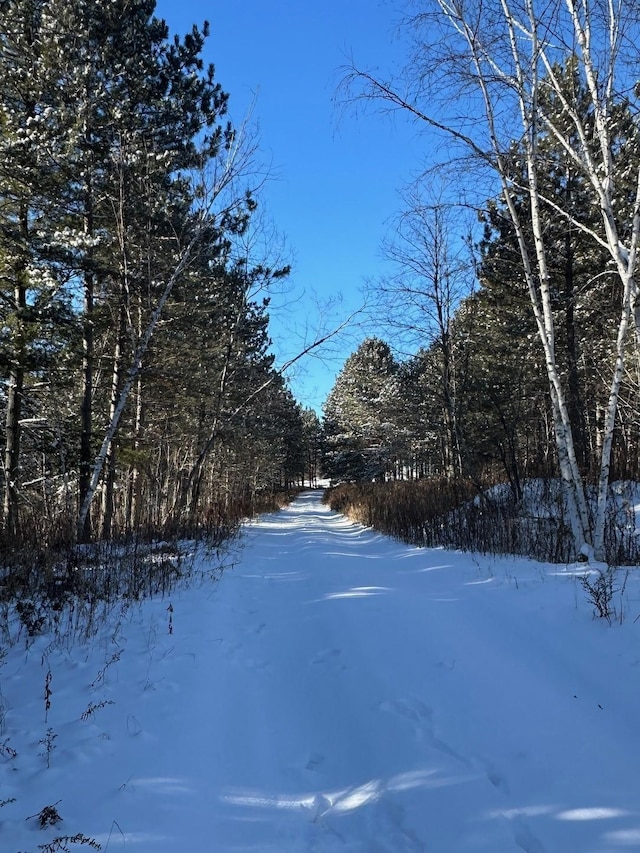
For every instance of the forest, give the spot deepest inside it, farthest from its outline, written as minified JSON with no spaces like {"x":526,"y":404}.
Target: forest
{"x":517,"y":310}
{"x":140,"y":395}
{"x":199,"y":648}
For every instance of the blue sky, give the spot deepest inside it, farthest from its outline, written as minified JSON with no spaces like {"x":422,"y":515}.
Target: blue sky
{"x":335,"y":174}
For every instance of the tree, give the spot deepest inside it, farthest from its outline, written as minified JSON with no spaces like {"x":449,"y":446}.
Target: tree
{"x":120,"y":184}
{"x":358,"y":414}
{"x":35,"y":309}
{"x":505,"y":56}
{"x":313,"y":440}
{"x":172,"y":166}
{"x":232,"y":367}
{"x":505,"y":404}
{"x":421,"y":412}
{"x":420,"y":298}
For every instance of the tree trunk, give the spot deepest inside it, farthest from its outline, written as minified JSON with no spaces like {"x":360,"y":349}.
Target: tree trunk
{"x":86,"y":405}
{"x":135,"y":478}
{"x":110,"y":461}
{"x":15,"y":388}
{"x":132,"y":374}
{"x":576,"y":409}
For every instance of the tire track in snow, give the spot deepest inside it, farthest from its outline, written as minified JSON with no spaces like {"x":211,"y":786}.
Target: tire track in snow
{"x":368,"y":746}
{"x":369,"y":697}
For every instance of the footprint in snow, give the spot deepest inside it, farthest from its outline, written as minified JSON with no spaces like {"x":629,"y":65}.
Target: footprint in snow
{"x":497,"y":779}
{"x":319,"y":807}
{"x":316,"y":759}
{"x":526,"y":840}
{"x":328,"y":656}
{"x":495,"y":776}
{"x":413,"y":709}
{"x":421,"y":716}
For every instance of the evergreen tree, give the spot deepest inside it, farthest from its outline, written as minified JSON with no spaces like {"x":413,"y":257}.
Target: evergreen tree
{"x":358,"y":415}
{"x":32,"y":278}
{"x":117,"y":186}
{"x":313,"y":441}
{"x":584,"y":288}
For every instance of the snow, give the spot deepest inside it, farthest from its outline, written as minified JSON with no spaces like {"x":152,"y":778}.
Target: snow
{"x":335,"y":691}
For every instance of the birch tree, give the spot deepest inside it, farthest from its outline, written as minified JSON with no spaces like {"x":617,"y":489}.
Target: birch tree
{"x":502,"y":58}
{"x":176,"y":188}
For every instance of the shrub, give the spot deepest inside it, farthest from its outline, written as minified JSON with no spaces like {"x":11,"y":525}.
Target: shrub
{"x":489,"y":519}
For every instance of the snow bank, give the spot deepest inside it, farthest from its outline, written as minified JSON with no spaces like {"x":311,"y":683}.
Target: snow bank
{"x":335,"y":691}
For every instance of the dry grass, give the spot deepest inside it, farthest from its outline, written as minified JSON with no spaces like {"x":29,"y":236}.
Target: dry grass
{"x":453,"y":514}
{"x":50,"y":585}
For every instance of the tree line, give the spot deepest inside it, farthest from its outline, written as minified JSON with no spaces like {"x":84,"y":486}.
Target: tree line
{"x":472,"y":401}
{"x":532,"y":370}
{"x":139,"y":391}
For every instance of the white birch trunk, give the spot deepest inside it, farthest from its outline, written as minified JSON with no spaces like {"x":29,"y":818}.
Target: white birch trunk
{"x":602,"y":178}
{"x":529,"y":50}
{"x":132,"y":373}
{"x":603,"y":38}
{"x":538,"y":286}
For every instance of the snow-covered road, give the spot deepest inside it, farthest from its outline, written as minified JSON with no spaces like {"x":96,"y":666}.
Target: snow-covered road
{"x":337,"y":691}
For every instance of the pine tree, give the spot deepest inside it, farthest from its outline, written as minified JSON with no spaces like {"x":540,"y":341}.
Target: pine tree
{"x":116,"y":185}
{"x":34,"y":305}
{"x":313,"y":442}
{"x":358,"y":415}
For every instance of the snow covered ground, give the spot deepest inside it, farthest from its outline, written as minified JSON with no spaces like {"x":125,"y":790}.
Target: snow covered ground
{"x":335,"y":691}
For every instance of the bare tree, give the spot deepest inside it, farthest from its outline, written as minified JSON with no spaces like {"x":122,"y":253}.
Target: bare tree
{"x":502,"y":61}
{"x":432,"y":274}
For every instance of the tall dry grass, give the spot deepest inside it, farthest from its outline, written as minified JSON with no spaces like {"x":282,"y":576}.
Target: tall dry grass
{"x":51,"y":585}
{"x":458,"y":514}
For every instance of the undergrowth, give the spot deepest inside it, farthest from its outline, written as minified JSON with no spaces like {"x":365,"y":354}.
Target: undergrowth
{"x":492,"y":520}
{"x":54,"y":587}
{"x":65,"y":594}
